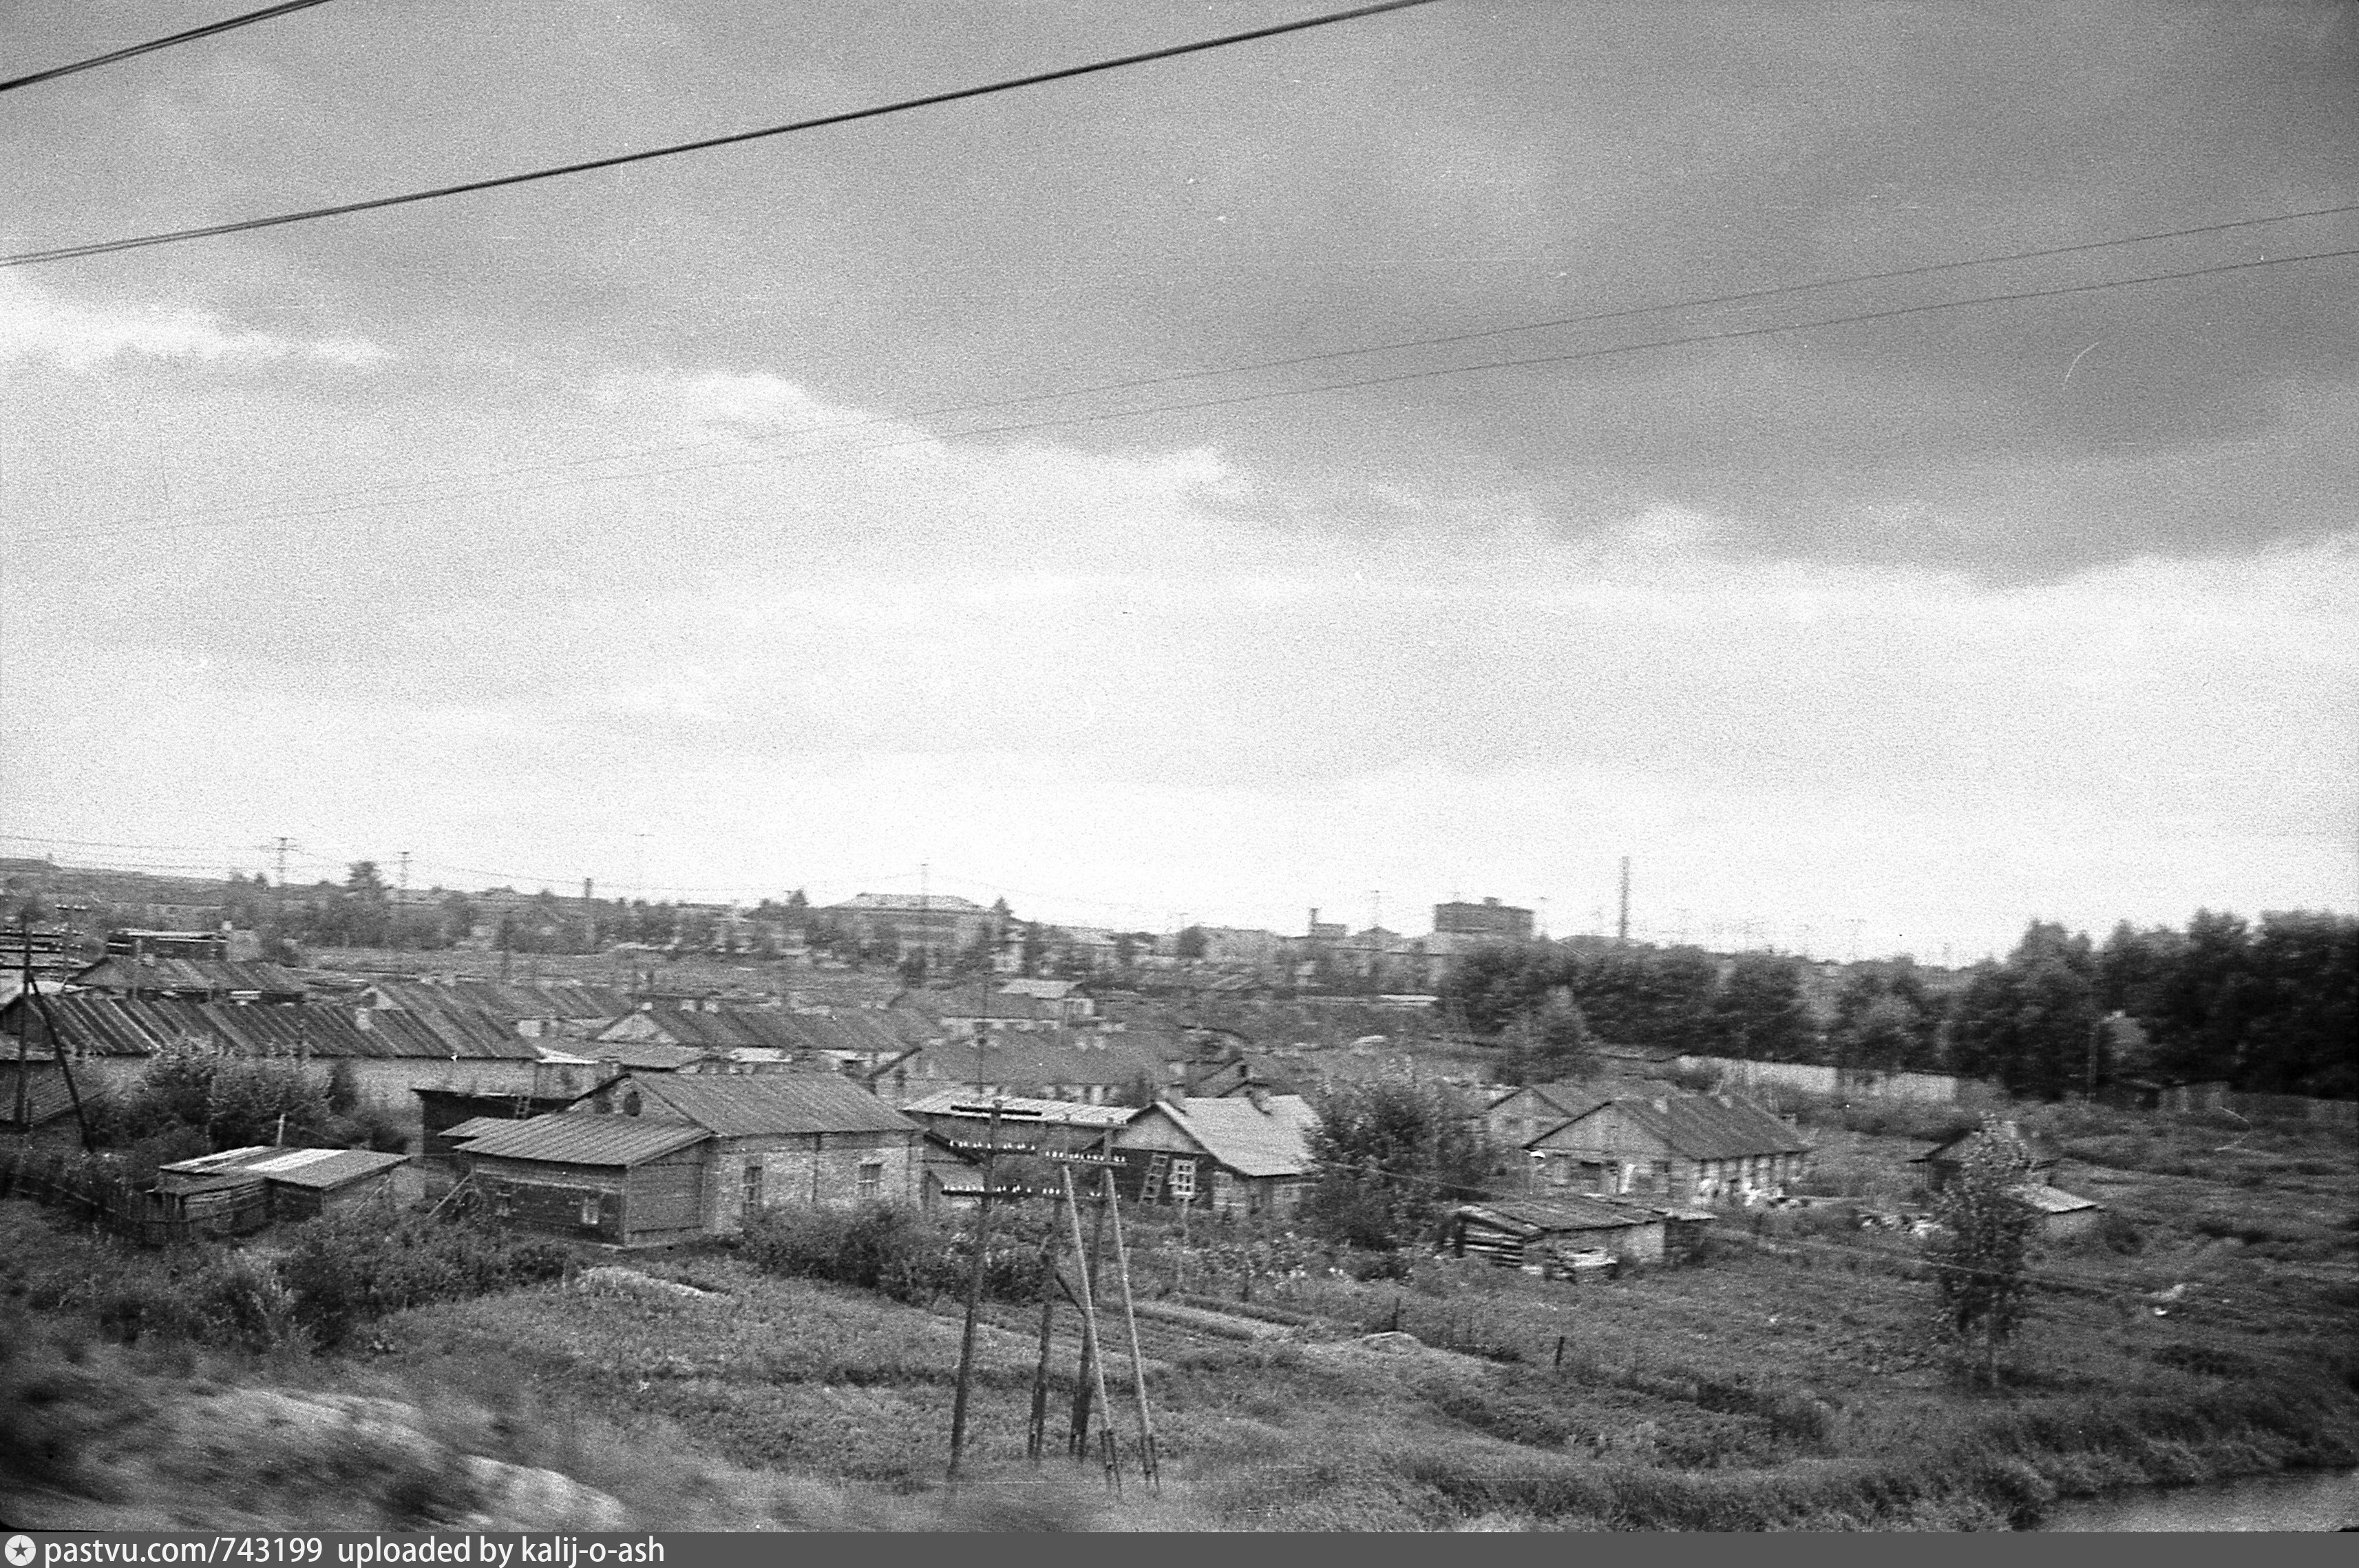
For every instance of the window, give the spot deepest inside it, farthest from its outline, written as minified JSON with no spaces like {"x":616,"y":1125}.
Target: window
{"x":589,"y":1209}
{"x":1183,"y":1180}
{"x":872,"y":1179}
{"x":753,"y":1185}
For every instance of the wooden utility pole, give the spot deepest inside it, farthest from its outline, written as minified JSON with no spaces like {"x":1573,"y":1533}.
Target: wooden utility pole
{"x":23,"y":1018}
{"x":1092,"y":1374}
{"x":974,"y":1289}
{"x":1095,"y":1367}
{"x":1622,"y":927}
{"x":1147,"y":1468}
{"x":57,"y":1049}
{"x":1035,"y":1435}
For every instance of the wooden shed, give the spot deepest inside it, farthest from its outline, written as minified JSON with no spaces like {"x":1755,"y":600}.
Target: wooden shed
{"x":215,"y":1195}
{"x":611,"y":1179}
{"x":307,"y":1181}
{"x":2061,"y":1214}
{"x":1515,"y":1233}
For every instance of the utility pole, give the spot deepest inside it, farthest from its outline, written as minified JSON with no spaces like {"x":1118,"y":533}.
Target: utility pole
{"x":24,"y":1021}
{"x":1147,"y":1466}
{"x":1095,"y":1379}
{"x":974,"y":1288}
{"x":1856,"y":924}
{"x":1622,"y":928}
{"x":405,"y":873}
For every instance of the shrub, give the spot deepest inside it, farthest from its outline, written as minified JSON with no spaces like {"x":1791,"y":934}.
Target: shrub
{"x":344,"y":1270}
{"x":876,"y":1247}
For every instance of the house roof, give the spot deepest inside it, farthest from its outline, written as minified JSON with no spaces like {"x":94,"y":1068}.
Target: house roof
{"x":120,"y":972}
{"x":577,"y":1138}
{"x":2051,"y":1200}
{"x":1542,"y":1218}
{"x":1566,"y":1100}
{"x":765,"y":1104}
{"x":1271,"y":1137}
{"x":643,"y":1055}
{"x":501,"y":999}
{"x":1705,"y":1126}
{"x":477,"y":1126}
{"x":963,"y":1106}
{"x":1017,"y":1061}
{"x":324,"y":1170}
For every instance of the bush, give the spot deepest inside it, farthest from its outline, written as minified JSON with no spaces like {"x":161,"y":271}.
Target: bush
{"x":344,"y":1270}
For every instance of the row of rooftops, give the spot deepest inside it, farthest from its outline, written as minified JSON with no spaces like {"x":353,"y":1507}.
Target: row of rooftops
{"x":1695,"y":1126}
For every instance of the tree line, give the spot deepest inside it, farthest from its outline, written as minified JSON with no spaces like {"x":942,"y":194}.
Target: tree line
{"x":2270,"y":1007}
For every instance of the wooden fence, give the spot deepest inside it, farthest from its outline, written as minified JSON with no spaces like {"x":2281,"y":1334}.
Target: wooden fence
{"x":103,"y":1198}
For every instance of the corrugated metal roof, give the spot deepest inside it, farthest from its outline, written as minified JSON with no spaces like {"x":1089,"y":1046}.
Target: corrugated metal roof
{"x":765,"y":1102}
{"x":335,"y":1168}
{"x":1272,"y":1138}
{"x":574,"y":1137}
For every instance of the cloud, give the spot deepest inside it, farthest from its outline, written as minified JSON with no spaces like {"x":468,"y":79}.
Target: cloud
{"x":36,"y":324}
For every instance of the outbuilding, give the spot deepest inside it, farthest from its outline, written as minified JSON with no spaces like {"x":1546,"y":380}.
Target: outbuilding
{"x":1548,"y":1231}
{"x":610,"y":1178}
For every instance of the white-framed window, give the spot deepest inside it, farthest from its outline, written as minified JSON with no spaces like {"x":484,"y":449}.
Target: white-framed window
{"x":1183,"y":1180}
{"x":589,"y":1209}
{"x":872,"y":1179}
{"x":752,"y":1184}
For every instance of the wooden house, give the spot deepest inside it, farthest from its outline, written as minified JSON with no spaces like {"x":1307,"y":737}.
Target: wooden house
{"x":214,"y":1194}
{"x":1516,"y":1233}
{"x":1519,"y":1116}
{"x":1246,"y":1155}
{"x":1687,"y":1149}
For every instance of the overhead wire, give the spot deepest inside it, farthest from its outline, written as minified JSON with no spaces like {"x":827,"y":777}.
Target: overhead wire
{"x":705,"y":143}
{"x":427,"y":489}
{"x":1230,"y":401}
{"x":210,"y":29}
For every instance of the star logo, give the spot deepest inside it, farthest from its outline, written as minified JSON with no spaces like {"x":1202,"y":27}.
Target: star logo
{"x":20,"y":1551}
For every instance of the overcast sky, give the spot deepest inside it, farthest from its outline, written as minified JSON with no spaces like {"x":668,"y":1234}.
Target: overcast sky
{"x":761,"y":517}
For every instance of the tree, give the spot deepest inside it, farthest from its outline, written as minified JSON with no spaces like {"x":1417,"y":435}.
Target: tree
{"x":2029,"y":1021}
{"x":1758,"y":1011}
{"x":1191,"y":943}
{"x":1548,"y":1042}
{"x":1982,"y":1245}
{"x":1885,"y":1020}
{"x":1388,"y":1158}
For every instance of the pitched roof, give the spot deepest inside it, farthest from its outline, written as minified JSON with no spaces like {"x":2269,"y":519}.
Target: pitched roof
{"x":1541,"y":1216}
{"x":1269,"y":1139}
{"x":323,"y":1170}
{"x":1038,"y":1060}
{"x":477,"y":1126}
{"x":120,"y":972}
{"x":576,"y":1137}
{"x":2051,"y":1200}
{"x":765,"y":1104}
{"x":1709,"y":1126}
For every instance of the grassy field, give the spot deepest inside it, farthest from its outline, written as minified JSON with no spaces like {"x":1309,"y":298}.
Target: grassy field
{"x":1780,"y":1381}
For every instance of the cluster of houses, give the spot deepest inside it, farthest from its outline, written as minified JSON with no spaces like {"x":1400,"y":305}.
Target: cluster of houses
{"x":642,"y":1118}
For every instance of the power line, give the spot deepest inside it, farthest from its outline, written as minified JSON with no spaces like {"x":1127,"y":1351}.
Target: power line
{"x":1440,"y":340}
{"x":192,"y":35}
{"x":1232,"y":400}
{"x":243,"y":225}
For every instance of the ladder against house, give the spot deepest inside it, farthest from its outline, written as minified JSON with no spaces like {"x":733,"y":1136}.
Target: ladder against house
{"x":1152,"y":1188}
